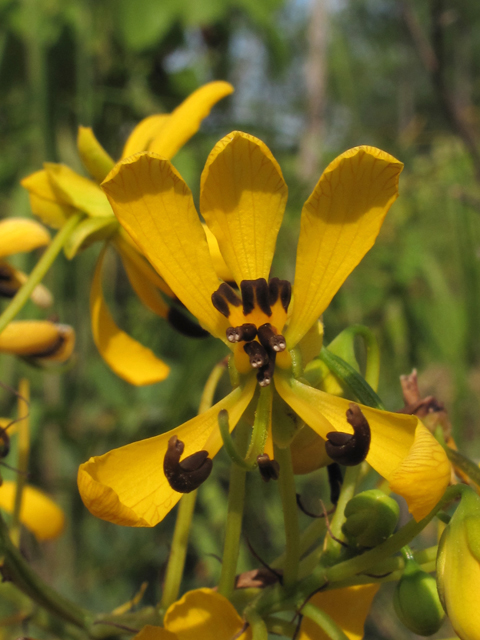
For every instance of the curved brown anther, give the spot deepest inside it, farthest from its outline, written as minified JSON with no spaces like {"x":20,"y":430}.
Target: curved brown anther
{"x":187,"y":475}
{"x":280,"y":289}
{"x":223,"y":297}
{"x":265,"y":374}
{"x":269,"y":469}
{"x":246,"y":332}
{"x":255,"y":291}
{"x":256,"y":353}
{"x":348,"y":449}
{"x":269,"y":338}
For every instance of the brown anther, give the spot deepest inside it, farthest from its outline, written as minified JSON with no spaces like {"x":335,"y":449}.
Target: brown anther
{"x":348,"y":449}
{"x":4,"y":443}
{"x":269,"y":338}
{"x":187,"y":475}
{"x":222,"y":297}
{"x":335,"y":480}
{"x":49,"y":351}
{"x":8,"y":286}
{"x":256,"y":353}
{"x":269,"y":469}
{"x":255,"y":291}
{"x":280,"y":288}
{"x":247,"y":332}
{"x":265,"y":374}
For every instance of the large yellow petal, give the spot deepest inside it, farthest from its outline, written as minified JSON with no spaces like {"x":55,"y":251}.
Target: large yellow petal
{"x":127,"y":486}
{"x":401,"y":449}
{"x":145,"y":290}
{"x":219,"y":264}
{"x":349,"y":608}
{"x":94,"y":157}
{"x":44,"y":201}
{"x":128,"y":358}
{"x":143,"y":134}
{"x":78,"y":192}
{"x":149,"y":632}
{"x":36,"y":338}
{"x":21,"y":234}
{"x":340,"y":222}
{"x":185,"y":121}
{"x":204,"y":614}
{"x":39,"y":513}
{"x":156,"y":208}
{"x":242,"y":198}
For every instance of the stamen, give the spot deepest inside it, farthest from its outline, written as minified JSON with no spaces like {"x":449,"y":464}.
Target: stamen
{"x":49,"y":351}
{"x":269,"y":338}
{"x":265,"y":374}
{"x":187,"y":475}
{"x":247,"y":332}
{"x":184,"y":325}
{"x":223,"y":297}
{"x":269,"y":469}
{"x":282,"y":288}
{"x":248,"y":296}
{"x":8,"y":287}
{"x":349,"y":449}
{"x":255,"y":290}
{"x":257,"y":354}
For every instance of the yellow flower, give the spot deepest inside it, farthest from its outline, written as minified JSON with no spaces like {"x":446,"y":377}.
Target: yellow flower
{"x":39,"y":514}
{"x":18,"y":235}
{"x":202,"y":614}
{"x":38,"y":339}
{"x":348,"y":607}
{"x":458,"y":567}
{"x":57,"y":191}
{"x":242,"y":200}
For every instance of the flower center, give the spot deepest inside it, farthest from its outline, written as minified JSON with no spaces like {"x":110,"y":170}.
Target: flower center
{"x":256,"y":319}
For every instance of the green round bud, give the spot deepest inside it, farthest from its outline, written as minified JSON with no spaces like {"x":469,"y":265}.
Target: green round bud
{"x":371,"y":518}
{"x":417,"y":602}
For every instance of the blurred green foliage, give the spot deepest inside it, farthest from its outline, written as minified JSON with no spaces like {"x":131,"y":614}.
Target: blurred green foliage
{"x":108,"y":64}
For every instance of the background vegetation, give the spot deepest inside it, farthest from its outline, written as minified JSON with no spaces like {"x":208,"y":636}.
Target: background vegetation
{"x":312,"y":78}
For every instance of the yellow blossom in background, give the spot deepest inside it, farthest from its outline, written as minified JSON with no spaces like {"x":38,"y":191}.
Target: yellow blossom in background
{"x":19,"y":235}
{"x":56,"y":192}
{"x":38,"y":513}
{"x":38,"y":339}
{"x":242,"y":200}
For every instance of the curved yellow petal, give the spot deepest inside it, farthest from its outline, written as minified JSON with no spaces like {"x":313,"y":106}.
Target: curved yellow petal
{"x":156,"y":208}
{"x":145,"y":290}
{"x":39,"y":513}
{"x":143,"y":134}
{"x":125,"y":356}
{"x":87,"y":232}
{"x":242,"y":198}
{"x":150,"y":632}
{"x":34,"y":338}
{"x":186,"y":119}
{"x":340,"y":222}
{"x":21,"y":234}
{"x":127,"y":486}
{"x":78,"y":192}
{"x":219,"y":264}
{"x":204,"y":614}
{"x":94,"y":157}
{"x":348,"y":607}
{"x":52,"y":213}
{"x":402,"y":450}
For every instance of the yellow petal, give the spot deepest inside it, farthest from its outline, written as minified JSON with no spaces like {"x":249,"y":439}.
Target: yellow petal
{"x":349,"y":608}
{"x":340,"y":222}
{"x":36,"y":339}
{"x":52,"y":213}
{"x":89,"y":231}
{"x":125,"y":356}
{"x":94,"y":157}
{"x":399,"y":443}
{"x":155,"y":633}
{"x":145,"y":290}
{"x":185,"y":121}
{"x":21,"y":234}
{"x":204,"y":614}
{"x":145,"y":131}
{"x":39,"y":513}
{"x":219,"y":264}
{"x":156,"y":208}
{"x":78,"y":192}
{"x":308,"y":451}
{"x":242,"y":199}
{"x":127,"y":486}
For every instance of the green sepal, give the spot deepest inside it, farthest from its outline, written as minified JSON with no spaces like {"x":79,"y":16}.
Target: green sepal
{"x":89,"y":231}
{"x":371,"y":518}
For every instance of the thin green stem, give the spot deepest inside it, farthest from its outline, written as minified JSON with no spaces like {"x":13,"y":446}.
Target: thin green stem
{"x":23,"y":427}
{"x":206,"y":401}
{"x":39,"y":271}
{"x":372,"y":366}
{"x":324,"y":621}
{"x":280,"y":627}
{"x":312,"y":535}
{"x":263,"y":416}
{"x":347,"y":492}
{"x":286,"y":482}
{"x":257,"y":625}
{"x":465,"y":464}
{"x":178,"y":553}
{"x":233,"y":528}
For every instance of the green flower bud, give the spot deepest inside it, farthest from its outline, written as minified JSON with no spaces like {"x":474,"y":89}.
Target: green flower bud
{"x":417,"y":602}
{"x":371,"y":518}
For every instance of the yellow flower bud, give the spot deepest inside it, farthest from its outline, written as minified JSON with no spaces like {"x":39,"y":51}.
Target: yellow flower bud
{"x":458,"y":567}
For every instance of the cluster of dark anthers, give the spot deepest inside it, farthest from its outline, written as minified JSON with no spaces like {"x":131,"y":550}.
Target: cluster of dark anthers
{"x":256,"y":293}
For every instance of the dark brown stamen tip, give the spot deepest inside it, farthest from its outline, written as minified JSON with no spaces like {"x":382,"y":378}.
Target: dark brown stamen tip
{"x":187,"y":475}
{"x":269,"y":469}
{"x":282,"y":288}
{"x":8,"y":286}
{"x":265,"y":374}
{"x":256,"y":353}
{"x":270,"y":339}
{"x":348,"y":449}
{"x":247,"y":332}
{"x":223,"y":297}
{"x":248,"y":296}
{"x":4,"y":443}
{"x":181,"y":323}
{"x":49,"y":351}
{"x":335,"y":480}
{"x":255,"y":290}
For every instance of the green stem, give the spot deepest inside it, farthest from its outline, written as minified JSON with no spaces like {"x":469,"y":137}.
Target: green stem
{"x":178,"y":553}
{"x":324,"y":621}
{"x":286,"y":483}
{"x":39,"y":271}
{"x":206,"y":401}
{"x":311,"y":536}
{"x":349,"y":486}
{"x":23,"y":427}
{"x":257,"y":625}
{"x":280,"y":627}
{"x":233,"y":528}
{"x":372,"y":366}
{"x":262,"y":422}
{"x":463,"y":463}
